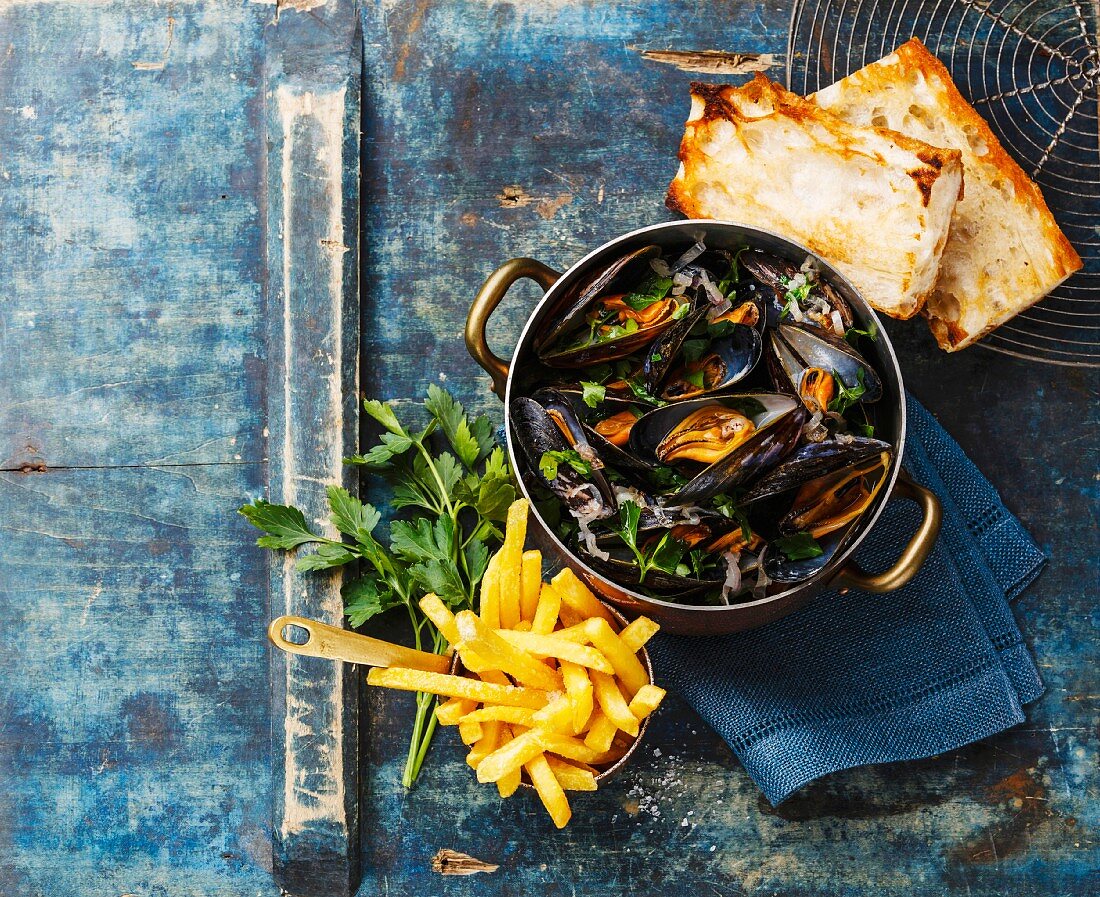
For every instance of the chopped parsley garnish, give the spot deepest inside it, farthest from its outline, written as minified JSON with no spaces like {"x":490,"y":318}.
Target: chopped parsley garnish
{"x":592,"y":393}
{"x":794,"y":295}
{"x":653,"y":289}
{"x":548,"y":463}
{"x":854,"y":333}
{"x":847,"y":396}
{"x":799,"y":547}
{"x":681,"y":311}
{"x":665,"y":555}
{"x":695,"y":378}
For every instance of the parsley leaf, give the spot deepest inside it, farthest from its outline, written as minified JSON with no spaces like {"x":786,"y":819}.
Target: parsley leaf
{"x":365,"y":598}
{"x":852,"y":334}
{"x":442,"y":406}
{"x":799,"y":547}
{"x":847,"y":396}
{"x":592,"y":393}
{"x":350,"y":515}
{"x":653,"y":289}
{"x":548,"y":463}
{"x":794,"y":295}
{"x":326,"y":557}
{"x":286,"y":526}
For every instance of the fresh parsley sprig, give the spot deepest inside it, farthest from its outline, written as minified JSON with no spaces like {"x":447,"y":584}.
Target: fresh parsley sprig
{"x":847,"y":396}
{"x":457,"y":498}
{"x":664,"y":555}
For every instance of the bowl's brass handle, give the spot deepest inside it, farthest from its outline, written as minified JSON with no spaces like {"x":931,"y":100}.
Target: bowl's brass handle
{"x":334,"y":643}
{"x":853,"y":576}
{"x":486,"y":301}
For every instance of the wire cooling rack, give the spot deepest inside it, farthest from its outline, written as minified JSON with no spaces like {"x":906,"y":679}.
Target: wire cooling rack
{"x":1032,"y":70}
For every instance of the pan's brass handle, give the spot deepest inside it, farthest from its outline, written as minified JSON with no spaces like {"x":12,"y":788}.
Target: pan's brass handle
{"x":334,"y":643}
{"x":853,"y":576}
{"x":486,"y":301}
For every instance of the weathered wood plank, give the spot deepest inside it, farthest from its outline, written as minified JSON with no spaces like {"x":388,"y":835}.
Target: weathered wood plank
{"x":133,"y":711}
{"x":312,"y":70}
{"x":130,"y":190}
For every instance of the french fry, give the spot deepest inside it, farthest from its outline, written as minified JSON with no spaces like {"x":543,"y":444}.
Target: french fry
{"x":557,"y":716}
{"x":523,"y":626}
{"x":638,"y":632}
{"x":647,"y":700}
{"x":570,"y":777}
{"x":451,"y":711}
{"x":509,"y":756}
{"x":564,"y":746}
{"x":559,"y":648}
{"x":613,"y":704}
{"x":601,"y":732}
{"x":470,"y":731}
{"x":578,"y":688}
{"x":457,"y":687}
{"x":490,"y":595}
{"x":438,"y":612}
{"x":496,"y":677}
{"x":519,"y":716}
{"x":510,"y":558}
{"x":569,"y":617}
{"x":532,"y":585}
{"x":546,"y":614}
{"x":497,"y":653}
{"x":627,"y":666}
{"x":549,"y":790}
{"x":507,"y":784}
{"x":576,"y":596}
{"x":483,"y":747}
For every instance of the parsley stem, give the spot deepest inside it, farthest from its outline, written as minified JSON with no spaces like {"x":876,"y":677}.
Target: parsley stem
{"x":438,"y":479}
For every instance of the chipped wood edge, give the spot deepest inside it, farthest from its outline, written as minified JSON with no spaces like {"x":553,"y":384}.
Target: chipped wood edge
{"x":452,"y":862}
{"x":714,"y":62}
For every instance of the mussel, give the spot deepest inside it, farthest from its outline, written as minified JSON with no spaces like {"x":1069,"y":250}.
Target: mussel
{"x":808,"y":361}
{"x":616,"y":313}
{"x":828,"y":509}
{"x":724,"y":362}
{"x":588,"y":496}
{"x":830,"y":502}
{"x":812,"y":461}
{"x":662,"y":354}
{"x":823,"y":306}
{"x":721,"y":441}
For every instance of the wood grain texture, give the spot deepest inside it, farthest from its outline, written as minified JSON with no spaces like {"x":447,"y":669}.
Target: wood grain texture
{"x":142,"y":765}
{"x":312,"y":304}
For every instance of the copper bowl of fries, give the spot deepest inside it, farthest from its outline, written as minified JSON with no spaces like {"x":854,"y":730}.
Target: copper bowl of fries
{"x":675,"y":613}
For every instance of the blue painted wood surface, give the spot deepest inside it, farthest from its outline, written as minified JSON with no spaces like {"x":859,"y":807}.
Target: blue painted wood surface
{"x":134,"y":387}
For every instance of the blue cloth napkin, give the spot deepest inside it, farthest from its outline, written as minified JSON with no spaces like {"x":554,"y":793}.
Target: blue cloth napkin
{"x":856,"y":679}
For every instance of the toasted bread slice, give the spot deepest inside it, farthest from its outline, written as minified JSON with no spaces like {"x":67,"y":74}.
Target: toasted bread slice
{"x":1005,"y":251}
{"x":874,"y":203}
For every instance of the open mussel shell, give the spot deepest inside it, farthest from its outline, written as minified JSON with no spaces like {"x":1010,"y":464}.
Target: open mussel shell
{"x":779,"y":568}
{"x":772,"y":272}
{"x":588,"y":496}
{"x":569,"y":311}
{"x":832,"y":502}
{"x":726,"y":362}
{"x":795,"y":349}
{"x":774,"y":424}
{"x":662,"y":354}
{"x":611,"y":408}
{"x":560,"y":347}
{"x":814,"y":460}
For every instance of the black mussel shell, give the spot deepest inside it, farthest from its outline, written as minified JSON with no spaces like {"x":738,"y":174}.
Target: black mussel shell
{"x":779,"y":568}
{"x":794,"y":348}
{"x":737,"y":352}
{"x":769,"y":270}
{"x":778,"y":421}
{"x":536,"y":432}
{"x":623,"y":569}
{"x":570,"y":309}
{"x":611,"y":454}
{"x":662,"y":353}
{"x":816,"y":459}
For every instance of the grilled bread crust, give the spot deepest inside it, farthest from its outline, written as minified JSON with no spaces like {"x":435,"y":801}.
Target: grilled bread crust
{"x":875,"y":203}
{"x":1005,"y":251}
